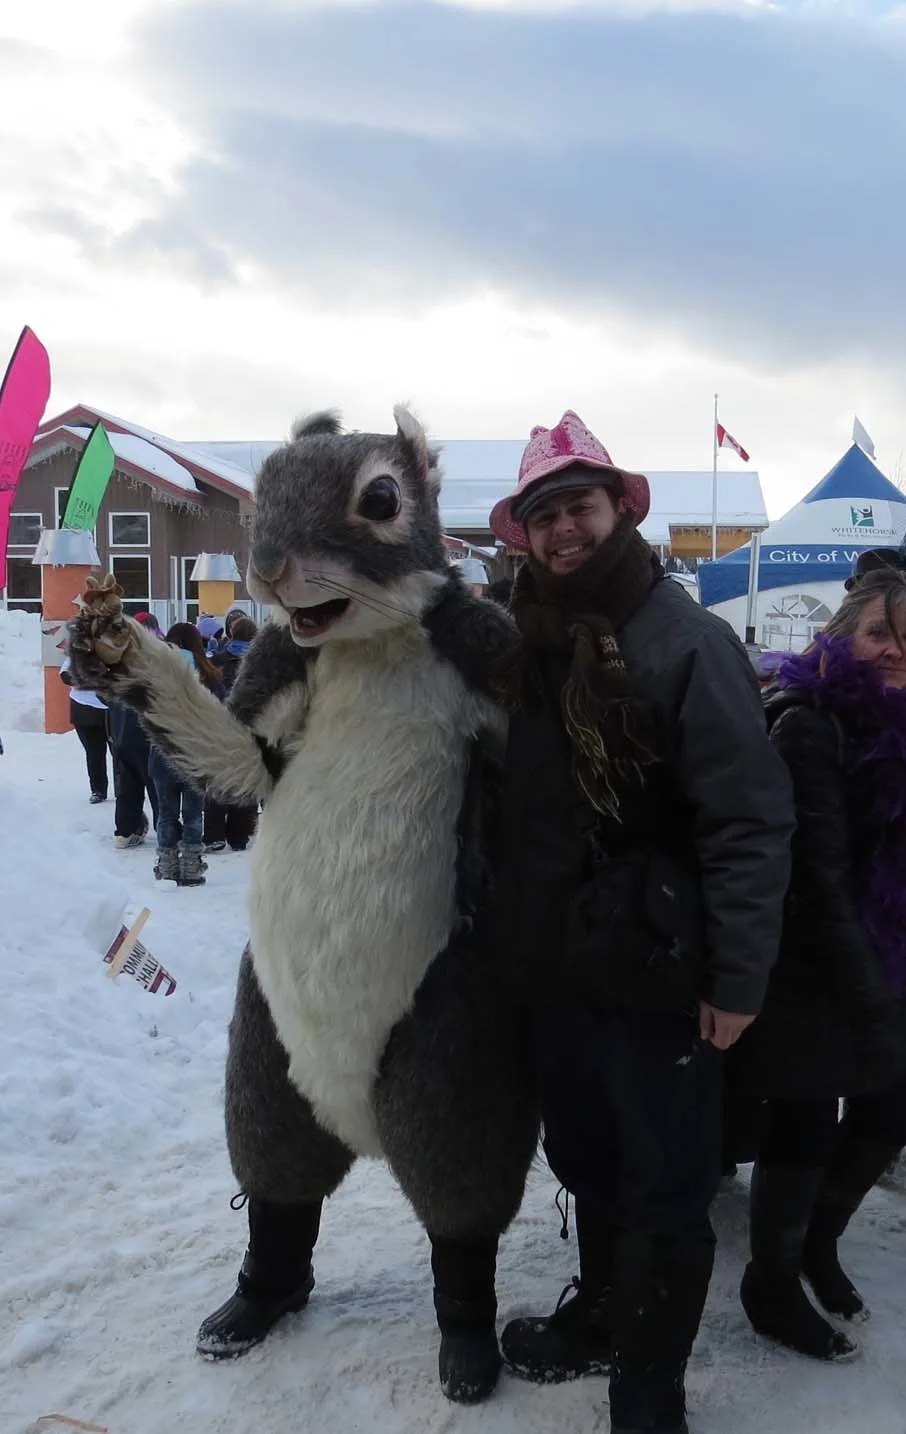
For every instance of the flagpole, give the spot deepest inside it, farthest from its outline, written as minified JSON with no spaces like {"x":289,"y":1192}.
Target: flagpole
{"x":714,"y":490}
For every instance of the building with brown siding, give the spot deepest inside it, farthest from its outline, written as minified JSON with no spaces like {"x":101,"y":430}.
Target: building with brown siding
{"x":165,"y":504}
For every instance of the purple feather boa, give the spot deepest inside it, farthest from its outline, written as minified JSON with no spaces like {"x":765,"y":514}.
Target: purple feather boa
{"x":873,"y":718}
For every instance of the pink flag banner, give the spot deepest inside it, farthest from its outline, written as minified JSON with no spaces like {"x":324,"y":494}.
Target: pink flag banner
{"x":23,"y":399}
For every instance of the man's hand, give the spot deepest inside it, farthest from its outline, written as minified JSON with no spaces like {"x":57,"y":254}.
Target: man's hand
{"x":722,"y":1028}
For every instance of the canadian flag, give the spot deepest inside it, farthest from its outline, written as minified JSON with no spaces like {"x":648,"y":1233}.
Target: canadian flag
{"x":726,"y":440}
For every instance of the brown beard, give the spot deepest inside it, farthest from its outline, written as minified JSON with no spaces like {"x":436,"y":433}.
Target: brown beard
{"x":579,"y":613}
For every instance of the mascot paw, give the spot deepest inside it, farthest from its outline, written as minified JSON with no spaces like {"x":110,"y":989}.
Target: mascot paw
{"x":100,"y":636}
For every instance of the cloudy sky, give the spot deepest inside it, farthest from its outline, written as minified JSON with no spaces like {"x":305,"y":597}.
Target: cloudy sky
{"x":220,"y":213}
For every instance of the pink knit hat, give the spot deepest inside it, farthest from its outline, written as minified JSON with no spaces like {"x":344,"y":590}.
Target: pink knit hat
{"x":549,"y":451}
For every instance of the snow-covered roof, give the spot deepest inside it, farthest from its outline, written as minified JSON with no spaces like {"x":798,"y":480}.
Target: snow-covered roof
{"x":479,"y":471}
{"x":231,"y":472}
{"x":142,"y":453}
{"x":243,"y":457}
{"x":684,"y":499}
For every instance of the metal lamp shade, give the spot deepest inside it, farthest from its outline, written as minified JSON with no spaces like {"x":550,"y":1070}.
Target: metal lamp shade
{"x":215,"y":568}
{"x":66,"y":548}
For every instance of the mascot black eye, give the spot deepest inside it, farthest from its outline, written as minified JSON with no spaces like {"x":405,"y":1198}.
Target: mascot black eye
{"x":381,"y":500}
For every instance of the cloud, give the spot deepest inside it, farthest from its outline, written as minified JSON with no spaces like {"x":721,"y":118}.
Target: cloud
{"x":733,"y":177}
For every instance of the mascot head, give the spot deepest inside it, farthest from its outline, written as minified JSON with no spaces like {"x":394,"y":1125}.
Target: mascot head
{"x":347,"y":539}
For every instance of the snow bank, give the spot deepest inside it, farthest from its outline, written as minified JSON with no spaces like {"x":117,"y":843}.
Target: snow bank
{"x":21,"y":674}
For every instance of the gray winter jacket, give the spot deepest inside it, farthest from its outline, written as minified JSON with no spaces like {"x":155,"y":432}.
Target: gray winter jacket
{"x":693,"y":674}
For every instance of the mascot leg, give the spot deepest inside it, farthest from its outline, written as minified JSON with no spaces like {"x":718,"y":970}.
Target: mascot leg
{"x":458,"y":1119}
{"x":286,"y":1164}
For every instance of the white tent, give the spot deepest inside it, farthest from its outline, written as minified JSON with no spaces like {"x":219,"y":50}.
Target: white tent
{"x":807,"y":555}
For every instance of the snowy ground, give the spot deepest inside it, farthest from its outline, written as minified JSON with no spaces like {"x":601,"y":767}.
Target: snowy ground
{"x":116,"y":1235}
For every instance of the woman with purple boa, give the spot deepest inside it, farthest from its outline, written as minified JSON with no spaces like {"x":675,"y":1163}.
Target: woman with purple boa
{"x":834,"y":1022}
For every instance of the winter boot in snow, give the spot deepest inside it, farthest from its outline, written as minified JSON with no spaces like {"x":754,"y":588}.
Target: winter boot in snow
{"x":575,"y":1340}
{"x":166,"y":868}
{"x":191,"y":867}
{"x":465,"y":1302}
{"x":858,"y":1163}
{"x":782,"y":1204}
{"x":660,"y":1287}
{"x":276,"y":1278}
{"x":647,"y":1398}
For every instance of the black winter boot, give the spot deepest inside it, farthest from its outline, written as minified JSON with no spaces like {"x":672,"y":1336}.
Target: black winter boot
{"x":648,"y":1397}
{"x":466,"y":1306}
{"x":575,"y":1340}
{"x":660,"y":1287}
{"x":783,"y":1200}
{"x":858,"y":1163}
{"x":276,"y":1278}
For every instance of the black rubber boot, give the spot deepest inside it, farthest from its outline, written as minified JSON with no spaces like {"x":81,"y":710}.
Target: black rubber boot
{"x":783,"y":1200}
{"x":660,"y":1288}
{"x":465,"y":1302}
{"x":858,"y":1164}
{"x":276,"y":1278}
{"x":645,"y":1398}
{"x":575,"y":1340}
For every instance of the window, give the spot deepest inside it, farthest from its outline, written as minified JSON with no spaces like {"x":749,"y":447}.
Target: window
{"x":133,"y":574}
{"x":130,"y":530}
{"x":23,"y":585}
{"x":25,"y":529}
{"x":189,"y":590}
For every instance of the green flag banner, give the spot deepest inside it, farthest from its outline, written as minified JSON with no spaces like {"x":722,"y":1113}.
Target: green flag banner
{"x":89,"y":482}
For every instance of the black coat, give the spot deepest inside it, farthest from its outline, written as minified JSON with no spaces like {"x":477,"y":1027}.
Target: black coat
{"x":715,"y":818}
{"x":830,"y":1025}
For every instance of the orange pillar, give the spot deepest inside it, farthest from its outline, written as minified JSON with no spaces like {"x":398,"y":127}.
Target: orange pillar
{"x":215,"y":598}
{"x":66,"y":557}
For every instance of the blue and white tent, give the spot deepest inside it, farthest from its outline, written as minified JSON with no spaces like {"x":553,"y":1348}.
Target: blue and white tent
{"x":807,"y":555}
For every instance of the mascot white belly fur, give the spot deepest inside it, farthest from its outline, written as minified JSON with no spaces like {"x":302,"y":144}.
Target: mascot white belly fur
{"x":353,"y":871}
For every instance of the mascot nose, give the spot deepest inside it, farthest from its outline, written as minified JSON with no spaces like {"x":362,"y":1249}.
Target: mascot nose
{"x":268,"y":565}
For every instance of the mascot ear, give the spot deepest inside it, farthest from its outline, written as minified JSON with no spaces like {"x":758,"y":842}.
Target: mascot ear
{"x":413,"y":437}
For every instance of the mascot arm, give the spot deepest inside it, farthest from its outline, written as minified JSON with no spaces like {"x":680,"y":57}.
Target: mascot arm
{"x":203,"y":741}
{"x":474,"y":634}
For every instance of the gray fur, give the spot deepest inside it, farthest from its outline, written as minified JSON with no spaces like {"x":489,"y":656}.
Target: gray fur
{"x":475,"y":635}
{"x":460,"y":1150}
{"x":322,"y":465}
{"x":272,"y":663}
{"x":327,"y":421}
{"x":278,"y":1150}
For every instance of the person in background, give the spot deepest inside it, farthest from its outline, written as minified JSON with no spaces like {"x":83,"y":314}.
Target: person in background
{"x":88,"y":715}
{"x":211,"y":629}
{"x":180,"y":814}
{"x":131,"y":753}
{"x":228,"y":621}
{"x":230,"y":825}
{"x":834,"y":1020}
{"x":876,"y":560}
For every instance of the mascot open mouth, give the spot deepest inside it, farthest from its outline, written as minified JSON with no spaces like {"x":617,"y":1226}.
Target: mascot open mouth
{"x":314,"y":621}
